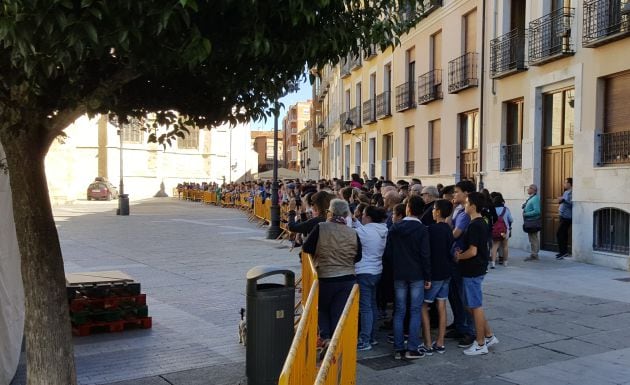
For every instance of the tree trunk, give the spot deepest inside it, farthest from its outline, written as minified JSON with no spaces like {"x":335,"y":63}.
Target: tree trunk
{"x":49,"y":346}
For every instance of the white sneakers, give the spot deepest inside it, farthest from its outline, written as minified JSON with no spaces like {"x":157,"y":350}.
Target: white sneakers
{"x":476,"y":350}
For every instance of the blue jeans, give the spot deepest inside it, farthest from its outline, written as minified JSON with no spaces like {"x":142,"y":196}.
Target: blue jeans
{"x":461,"y":318}
{"x":368,"y":309}
{"x":332,"y":299}
{"x":415,"y":289}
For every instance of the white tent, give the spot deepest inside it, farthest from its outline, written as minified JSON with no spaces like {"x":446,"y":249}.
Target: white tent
{"x":283,"y":173}
{"x":11,"y":289}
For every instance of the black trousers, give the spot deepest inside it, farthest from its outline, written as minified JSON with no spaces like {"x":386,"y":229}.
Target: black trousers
{"x":563,"y":235}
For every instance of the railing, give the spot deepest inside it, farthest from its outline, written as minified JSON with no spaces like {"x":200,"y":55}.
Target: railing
{"x":410,"y":168}
{"x":430,"y":86}
{"x":345,"y":67}
{"x":512,"y":157}
{"x":300,"y":365}
{"x":605,"y":21}
{"x":372,"y":52}
{"x":462,"y":72}
{"x":434,"y":166}
{"x":614,"y":148}
{"x":383,"y":104}
{"x":369,"y":111}
{"x":507,"y":54}
{"x":550,"y":36}
{"x":405,"y":96}
{"x":340,"y":363}
{"x":343,"y":118}
{"x":355,"y":116}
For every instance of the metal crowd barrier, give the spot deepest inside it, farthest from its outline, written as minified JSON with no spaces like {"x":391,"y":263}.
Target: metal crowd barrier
{"x":300,"y":367}
{"x":340,"y":363}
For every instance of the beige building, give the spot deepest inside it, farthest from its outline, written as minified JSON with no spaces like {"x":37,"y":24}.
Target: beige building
{"x":530,"y":92}
{"x":92,"y":149}
{"x":262,"y":143}
{"x":294,"y":121}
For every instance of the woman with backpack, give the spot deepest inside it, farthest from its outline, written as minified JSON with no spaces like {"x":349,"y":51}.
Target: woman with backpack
{"x":501,"y":230}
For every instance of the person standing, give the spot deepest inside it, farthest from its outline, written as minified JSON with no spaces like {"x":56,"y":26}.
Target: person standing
{"x":335,"y":248}
{"x":566,"y":206}
{"x":408,"y":250}
{"x":501,"y":231}
{"x":532,"y":221}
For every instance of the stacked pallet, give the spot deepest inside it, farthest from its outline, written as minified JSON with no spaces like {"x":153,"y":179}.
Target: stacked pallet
{"x":105,"y":301}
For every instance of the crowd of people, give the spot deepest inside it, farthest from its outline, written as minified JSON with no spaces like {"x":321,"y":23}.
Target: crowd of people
{"x":409,"y":245}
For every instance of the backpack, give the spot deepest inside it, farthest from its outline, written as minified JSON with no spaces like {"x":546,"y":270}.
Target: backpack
{"x":499,"y":227}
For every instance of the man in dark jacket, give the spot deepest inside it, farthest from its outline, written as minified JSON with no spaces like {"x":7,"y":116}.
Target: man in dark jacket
{"x":408,"y":251}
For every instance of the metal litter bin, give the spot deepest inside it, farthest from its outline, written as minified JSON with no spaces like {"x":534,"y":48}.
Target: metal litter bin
{"x":123,"y":204}
{"x":270,"y":328}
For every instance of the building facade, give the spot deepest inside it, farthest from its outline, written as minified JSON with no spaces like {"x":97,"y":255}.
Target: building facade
{"x":92,"y":149}
{"x":293,"y":122}
{"x":262,"y":143}
{"x":505,"y":93}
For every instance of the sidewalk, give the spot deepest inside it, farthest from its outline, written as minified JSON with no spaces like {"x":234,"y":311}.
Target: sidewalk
{"x":559,"y":322}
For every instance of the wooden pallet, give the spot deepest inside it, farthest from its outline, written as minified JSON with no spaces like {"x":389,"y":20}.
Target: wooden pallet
{"x":111,"y":327}
{"x":79,"y":304}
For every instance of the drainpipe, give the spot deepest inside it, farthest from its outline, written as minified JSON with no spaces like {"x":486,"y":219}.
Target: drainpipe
{"x":482,"y":89}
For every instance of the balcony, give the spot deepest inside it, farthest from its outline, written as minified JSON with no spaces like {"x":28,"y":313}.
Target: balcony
{"x":507,"y":54}
{"x":410,"y":168}
{"x":343,"y":117}
{"x":384,"y":105}
{"x":462,"y":73}
{"x":605,"y":21}
{"x":372,"y":52}
{"x":550,"y":37}
{"x":355,"y":116}
{"x":405,"y":96}
{"x":614,"y":148}
{"x":369,"y":111}
{"x":430,"y":86}
{"x":512,"y":157}
{"x":434,"y":166}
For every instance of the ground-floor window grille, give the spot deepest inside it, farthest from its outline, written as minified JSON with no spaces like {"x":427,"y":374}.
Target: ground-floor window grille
{"x":611,"y":231}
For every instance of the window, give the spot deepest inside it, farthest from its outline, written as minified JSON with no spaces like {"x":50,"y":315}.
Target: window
{"x":372,"y":157}
{"x":190,"y":141}
{"x":435,"y":128}
{"x":615,"y":138}
{"x":558,"y":117}
{"x":436,"y":51}
{"x":346,"y":162}
{"x":469,"y":130}
{"x":470,"y":30}
{"x":132,"y":132}
{"x":388,"y":152}
{"x":512,"y":151}
{"x":409,"y":152}
{"x":611,"y":231}
{"x":357,"y":158}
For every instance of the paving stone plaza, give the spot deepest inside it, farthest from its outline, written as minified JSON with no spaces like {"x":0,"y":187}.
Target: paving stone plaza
{"x":559,"y":322}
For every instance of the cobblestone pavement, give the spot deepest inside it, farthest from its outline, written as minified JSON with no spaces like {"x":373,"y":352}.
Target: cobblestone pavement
{"x":559,"y":322}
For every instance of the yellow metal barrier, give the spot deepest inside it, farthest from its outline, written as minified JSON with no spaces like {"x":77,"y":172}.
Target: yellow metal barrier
{"x":300,"y":367}
{"x":309,"y":276}
{"x":340,"y":363}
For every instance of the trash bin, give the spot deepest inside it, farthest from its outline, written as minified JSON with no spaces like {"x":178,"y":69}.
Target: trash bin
{"x":270,"y":328}
{"x":123,"y":204}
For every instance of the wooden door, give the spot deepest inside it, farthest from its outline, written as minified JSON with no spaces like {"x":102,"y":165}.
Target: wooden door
{"x":557,"y":166}
{"x":557,"y":159}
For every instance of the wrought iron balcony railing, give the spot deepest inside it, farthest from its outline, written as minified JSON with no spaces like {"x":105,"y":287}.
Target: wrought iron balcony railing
{"x":355,"y":116}
{"x":434,"y":166}
{"x":605,"y":21}
{"x":405,"y":96}
{"x":343,"y":118}
{"x":410,"y":168}
{"x":507,"y":54}
{"x":614,"y":148}
{"x":462,"y":72}
{"x":550,"y":36}
{"x":369,"y":111}
{"x":383,"y":105}
{"x":372,"y":52}
{"x":512,"y":157}
{"x":430,"y":86}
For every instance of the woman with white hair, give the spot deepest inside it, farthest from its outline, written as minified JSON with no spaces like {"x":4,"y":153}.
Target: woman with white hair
{"x":335,"y":248}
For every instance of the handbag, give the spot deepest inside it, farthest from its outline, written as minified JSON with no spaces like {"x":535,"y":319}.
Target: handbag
{"x":532,"y":225}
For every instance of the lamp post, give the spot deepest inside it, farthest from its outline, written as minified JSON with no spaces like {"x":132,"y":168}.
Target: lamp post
{"x":274,"y":230}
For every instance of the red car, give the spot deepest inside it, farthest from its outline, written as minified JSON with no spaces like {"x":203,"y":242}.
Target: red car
{"x":101,"y":189}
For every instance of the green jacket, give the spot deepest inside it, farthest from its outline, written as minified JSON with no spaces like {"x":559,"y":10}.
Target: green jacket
{"x":531,"y":210}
